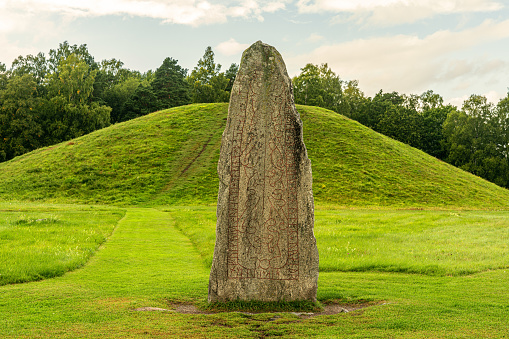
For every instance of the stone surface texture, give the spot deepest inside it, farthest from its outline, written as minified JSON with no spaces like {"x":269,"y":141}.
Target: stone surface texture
{"x":265,"y":246}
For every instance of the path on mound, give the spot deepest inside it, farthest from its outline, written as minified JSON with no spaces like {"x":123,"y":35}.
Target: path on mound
{"x":145,"y":262}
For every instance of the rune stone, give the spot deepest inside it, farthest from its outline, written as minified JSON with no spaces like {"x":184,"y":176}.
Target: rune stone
{"x":265,"y":246}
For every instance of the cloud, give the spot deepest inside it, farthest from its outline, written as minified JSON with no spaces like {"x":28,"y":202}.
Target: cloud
{"x":314,"y":38}
{"x":492,"y":96}
{"x":409,"y":64}
{"x":231,"y":47}
{"x":393,"y":12}
{"x":12,"y":19}
{"x":274,"y":6}
{"x":22,"y":22}
{"x":457,"y":101}
{"x":42,"y":19}
{"x":186,"y":12}
{"x":11,"y":52}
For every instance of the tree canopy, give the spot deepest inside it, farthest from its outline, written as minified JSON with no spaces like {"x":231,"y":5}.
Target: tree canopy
{"x":208,"y":83}
{"x":318,"y":86}
{"x":169,"y":85}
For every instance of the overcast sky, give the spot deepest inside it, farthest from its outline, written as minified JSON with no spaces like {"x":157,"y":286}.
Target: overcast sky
{"x":453,"y":47}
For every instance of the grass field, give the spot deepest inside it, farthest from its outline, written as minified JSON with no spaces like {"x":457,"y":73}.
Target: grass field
{"x":124,"y":218}
{"x":428,"y":242}
{"x":148,"y":262}
{"x":41,"y":241}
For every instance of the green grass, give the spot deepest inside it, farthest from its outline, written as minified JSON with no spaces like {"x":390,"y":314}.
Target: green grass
{"x":255,"y":306}
{"x":422,"y":242}
{"x":147,"y":262}
{"x":152,"y":158}
{"x":354,"y":166}
{"x":429,"y":242}
{"x":38,"y":242}
{"x":170,"y":158}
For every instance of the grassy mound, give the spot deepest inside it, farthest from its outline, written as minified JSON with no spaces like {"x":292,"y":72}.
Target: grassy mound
{"x":170,"y":157}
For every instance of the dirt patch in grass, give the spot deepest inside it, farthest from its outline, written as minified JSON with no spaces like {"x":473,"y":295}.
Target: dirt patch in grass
{"x":334,"y":308}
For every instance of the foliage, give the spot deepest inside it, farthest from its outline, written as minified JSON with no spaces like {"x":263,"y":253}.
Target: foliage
{"x":131,"y":95}
{"x":206,"y":68}
{"x":118,"y":95}
{"x":476,"y":139}
{"x":74,"y":95}
{"x":36,"y":65}
{"x":64,"y":51}
{"x":419,"y":121}
{"x":69,"y":114}
{"x":415,"y":120}
{"x":472,"y":138}
{"x":169,"y":85}
{"x":20,"y":123}
{"x":116,"y":86}
{"x":3,"y":76}
{"x":142,"y":102}
{"x":109,"y":74}
{"x":318,"y":86}
{"x":45,"y":101}
{"x":231,"y":74}
{"x":503,"y":125}
{"x":208,"y":84}
{"x":353,"y":100}
{"x":72,"y":80}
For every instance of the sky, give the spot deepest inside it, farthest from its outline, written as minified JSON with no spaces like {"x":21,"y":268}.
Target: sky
{"x":454,"y":47}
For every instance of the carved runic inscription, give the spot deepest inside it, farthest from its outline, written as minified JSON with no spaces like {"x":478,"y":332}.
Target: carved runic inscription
{"x":263,"y":238}
{"x":265,"y":246}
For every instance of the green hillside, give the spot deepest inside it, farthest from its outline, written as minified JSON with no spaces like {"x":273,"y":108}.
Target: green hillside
{"x":170,"y":157}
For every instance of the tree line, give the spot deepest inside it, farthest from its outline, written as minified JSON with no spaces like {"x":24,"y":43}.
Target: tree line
{"x":48,"y":99}
{"x":474,"y":137}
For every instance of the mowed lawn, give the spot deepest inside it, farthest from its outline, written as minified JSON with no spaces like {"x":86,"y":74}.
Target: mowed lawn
{"x":398,"y":231}
{"x":160,"y":258}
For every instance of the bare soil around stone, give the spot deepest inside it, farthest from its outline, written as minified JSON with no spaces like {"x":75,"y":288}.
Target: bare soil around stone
{"x":328,"y":309}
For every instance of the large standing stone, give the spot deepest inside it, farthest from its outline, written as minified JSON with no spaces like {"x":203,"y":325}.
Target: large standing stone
{"x":265,"y":247}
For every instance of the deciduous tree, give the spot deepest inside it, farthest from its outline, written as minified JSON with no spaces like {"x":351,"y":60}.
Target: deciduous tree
{"x":318,"y":86}
{"x":20,"y":126}
{"x":36,"y":65}
{"x":70,"y":113}
{"x":476,"y":141}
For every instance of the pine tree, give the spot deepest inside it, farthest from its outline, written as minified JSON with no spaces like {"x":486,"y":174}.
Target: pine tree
{"x":169,"y":85}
